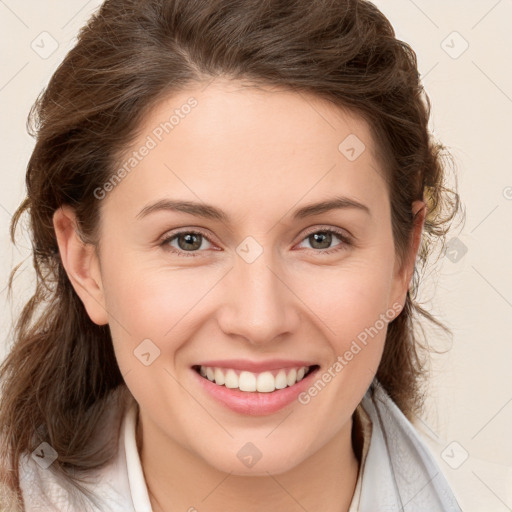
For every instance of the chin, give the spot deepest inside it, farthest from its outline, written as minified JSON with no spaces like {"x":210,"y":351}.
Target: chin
{"x":248,"y":460}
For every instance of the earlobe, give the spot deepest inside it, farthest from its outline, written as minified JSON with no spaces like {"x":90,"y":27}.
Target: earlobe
{"x":419,"y":211}
{"x":81,"y":264}
{"x":404,"y":274}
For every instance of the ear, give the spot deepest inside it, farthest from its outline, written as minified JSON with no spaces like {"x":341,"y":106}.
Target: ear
{"x":403,"y":273}
{"x":81,"y":263}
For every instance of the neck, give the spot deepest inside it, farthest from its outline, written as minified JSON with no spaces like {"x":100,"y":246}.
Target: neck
{"x":323,"y":482}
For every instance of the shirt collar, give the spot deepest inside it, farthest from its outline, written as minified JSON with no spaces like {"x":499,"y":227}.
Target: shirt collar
{"x":136,"y":480}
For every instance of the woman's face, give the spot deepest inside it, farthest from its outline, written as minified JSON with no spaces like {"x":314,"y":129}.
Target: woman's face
{"x":245,"y":270}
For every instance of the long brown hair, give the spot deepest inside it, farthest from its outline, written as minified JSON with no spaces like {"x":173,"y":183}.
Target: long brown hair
{"x":130,"y":55}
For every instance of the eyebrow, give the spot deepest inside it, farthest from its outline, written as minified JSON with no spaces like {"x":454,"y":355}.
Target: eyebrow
{"x":211,"y":212}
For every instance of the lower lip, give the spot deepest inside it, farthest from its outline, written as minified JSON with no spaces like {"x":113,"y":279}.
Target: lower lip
{"x":255,"y":403}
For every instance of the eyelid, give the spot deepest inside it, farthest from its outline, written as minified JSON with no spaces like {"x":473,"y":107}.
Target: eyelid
{"x":342,"y":233}
{"x":345,"y":237}
{"x":166,"y":239}
{"x":346,"y":240}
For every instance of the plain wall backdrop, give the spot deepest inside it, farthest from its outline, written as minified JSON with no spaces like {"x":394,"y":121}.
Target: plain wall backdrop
{"x":464,"y":50}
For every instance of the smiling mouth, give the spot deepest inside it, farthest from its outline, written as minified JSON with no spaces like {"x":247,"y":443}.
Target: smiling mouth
{"x":262,"y":382}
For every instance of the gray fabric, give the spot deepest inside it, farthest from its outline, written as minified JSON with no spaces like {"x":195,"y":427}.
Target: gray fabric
{"x":400,"y":473}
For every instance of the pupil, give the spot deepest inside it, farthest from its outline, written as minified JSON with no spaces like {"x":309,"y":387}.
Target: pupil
{"x":324,"y":239}
{"x":192,"y":241}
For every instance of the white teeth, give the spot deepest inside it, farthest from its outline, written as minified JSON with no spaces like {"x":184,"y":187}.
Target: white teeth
{"x":231,"y":379}
{"x":280,"y":379}
{"x":247,"y":381}
{"x":219,"y":377}
{"x":264,"y":382}
{"x":291,"y":379}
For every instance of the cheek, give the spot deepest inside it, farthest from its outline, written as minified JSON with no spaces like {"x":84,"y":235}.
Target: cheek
{"x":151,"y":296}
{"x":152,"y":302}
{"x":352,"y":304}
{"x":155,"y":301}
{"x":349,"y":298}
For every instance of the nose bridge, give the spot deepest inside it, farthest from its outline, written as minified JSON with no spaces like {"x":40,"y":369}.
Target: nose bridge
{"x":258,"y":306}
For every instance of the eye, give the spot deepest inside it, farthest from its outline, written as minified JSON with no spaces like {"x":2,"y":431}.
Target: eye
{"x":321,"y":239}
{"x":185,"y":242}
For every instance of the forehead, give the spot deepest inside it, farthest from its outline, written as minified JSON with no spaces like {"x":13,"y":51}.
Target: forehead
{"x":246,"y":146}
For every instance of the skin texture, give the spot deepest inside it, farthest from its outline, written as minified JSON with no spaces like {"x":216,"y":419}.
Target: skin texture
{"x":258,"y":154}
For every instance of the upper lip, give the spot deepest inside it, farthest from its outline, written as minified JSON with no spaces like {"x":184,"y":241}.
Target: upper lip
{"x":256,"y":366}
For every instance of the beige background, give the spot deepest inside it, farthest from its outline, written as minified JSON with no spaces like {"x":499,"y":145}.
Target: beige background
{"x":469,"y":410}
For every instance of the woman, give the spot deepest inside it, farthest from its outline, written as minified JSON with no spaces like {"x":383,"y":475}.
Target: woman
{"x":227,"y":201}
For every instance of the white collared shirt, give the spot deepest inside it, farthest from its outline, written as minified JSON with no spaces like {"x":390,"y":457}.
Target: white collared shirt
{"x":396,"y":473}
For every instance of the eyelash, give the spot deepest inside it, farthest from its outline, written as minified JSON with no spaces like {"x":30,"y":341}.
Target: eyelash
{"x":345,"y":241}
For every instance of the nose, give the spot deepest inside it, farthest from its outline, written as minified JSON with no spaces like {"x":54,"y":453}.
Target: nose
{"x":259,"y":303}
